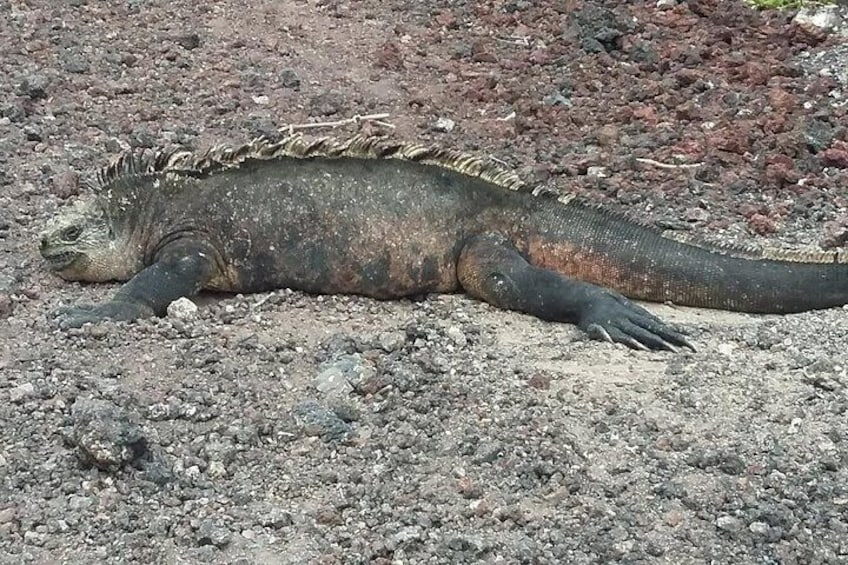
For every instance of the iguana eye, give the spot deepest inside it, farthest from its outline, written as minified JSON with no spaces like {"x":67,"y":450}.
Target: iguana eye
{"x":71,"y":233}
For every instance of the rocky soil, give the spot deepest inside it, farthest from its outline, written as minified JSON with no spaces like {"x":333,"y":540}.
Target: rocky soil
{"x":288,"y":428}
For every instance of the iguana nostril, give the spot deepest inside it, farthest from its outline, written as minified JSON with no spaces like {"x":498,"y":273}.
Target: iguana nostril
{"x":44,"y":243}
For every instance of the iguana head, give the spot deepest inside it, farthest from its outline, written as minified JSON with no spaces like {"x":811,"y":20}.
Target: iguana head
{"x":80,"y":244}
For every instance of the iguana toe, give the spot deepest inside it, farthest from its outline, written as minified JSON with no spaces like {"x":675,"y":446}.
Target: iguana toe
{"x":613,"y":318}
{"x":79,"y":315}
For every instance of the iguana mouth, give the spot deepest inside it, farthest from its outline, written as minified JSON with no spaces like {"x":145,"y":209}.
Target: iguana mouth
{"x":60,"y":260}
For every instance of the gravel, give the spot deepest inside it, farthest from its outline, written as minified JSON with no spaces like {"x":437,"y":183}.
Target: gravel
{"x":289,"y":428}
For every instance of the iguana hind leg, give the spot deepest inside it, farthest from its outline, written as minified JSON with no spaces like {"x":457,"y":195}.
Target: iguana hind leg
{"x":492,"y":270}
{"x":180,"y":268}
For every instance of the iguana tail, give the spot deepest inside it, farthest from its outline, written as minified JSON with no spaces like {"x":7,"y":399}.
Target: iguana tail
{"x":591,"y":244}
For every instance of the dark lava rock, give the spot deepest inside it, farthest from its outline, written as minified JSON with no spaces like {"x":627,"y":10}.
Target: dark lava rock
{"x":598,"y":29}
{"x":189,"y":41}
{"x":210,"y":533}
{"x":319,"y":420}
{"x":105,"y":435}
{"x":289,"y":79}
{"x":76,"y":63}
{"x":326,"y":104}
{"x":34,"y":86}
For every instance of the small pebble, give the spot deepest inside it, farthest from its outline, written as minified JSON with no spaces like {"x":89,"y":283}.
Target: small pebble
{"x":21,"y":392}
{"x":210,"y":533}
{"x":277,"y":519}
{"x":456,"y":336}
{"x":182,"y":309}
{"x":445,"y":125}
{"x":391,"y":341}
{"x":759,"y":528}
{"x":821,"y":17}
{"x":726,"y":348}
{"x":7,"y":515}
{"x":729,"y":523}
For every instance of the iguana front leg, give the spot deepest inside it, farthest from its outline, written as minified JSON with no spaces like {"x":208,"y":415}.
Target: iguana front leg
{"x":180,"y":268}
{"x":491,"y":269}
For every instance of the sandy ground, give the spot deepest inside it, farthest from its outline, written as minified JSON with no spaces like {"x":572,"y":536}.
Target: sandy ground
{"x":287,"y":428}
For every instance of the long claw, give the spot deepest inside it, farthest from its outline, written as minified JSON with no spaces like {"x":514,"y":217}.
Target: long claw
{"x":598,"y":332}
{"x":687,"y":343}
{"x":635,"y":344}
{"x":623,"y":337}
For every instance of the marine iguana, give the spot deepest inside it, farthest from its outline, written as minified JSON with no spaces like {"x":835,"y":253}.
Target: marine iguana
{"x":387,"y":220}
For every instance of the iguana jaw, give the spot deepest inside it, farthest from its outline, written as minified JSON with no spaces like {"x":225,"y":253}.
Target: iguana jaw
{"x":59,"y":260}
{"x":69,"y":261}
{"x":106,"y":263}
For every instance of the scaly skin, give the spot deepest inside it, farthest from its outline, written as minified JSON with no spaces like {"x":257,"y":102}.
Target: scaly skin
{"x":388,"y":221}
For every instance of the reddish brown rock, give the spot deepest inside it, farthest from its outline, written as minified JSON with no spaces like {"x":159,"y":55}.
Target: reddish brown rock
{"x":645,"y":114}
{"x":389,"y":56}
{"x":732,"y":140}
{"x":836,"y":155}
{"x":693,"y":150}
{"x":748,"y":210}
{"x":65,"y":184}
{"x":481,"y":52}
{"x":761,"y":224}
{"x":835,"y":233}
{"x":689,"y":110}
{"x":607,"y":135}
{"x":446,"y":19}
{"x":781,"y":100}
{"x":776,"y":123}
{"x":755,"y":73}
{"x":780,"y":171}
{"x":539,"y":381}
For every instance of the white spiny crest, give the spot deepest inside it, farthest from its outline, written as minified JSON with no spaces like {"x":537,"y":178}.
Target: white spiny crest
{"x":219,"y":158}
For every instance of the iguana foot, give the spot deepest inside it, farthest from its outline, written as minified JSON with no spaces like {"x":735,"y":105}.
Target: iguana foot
{"x":493,"y":270}
{"x":76,"y":316}
{"x":608,"y":316}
